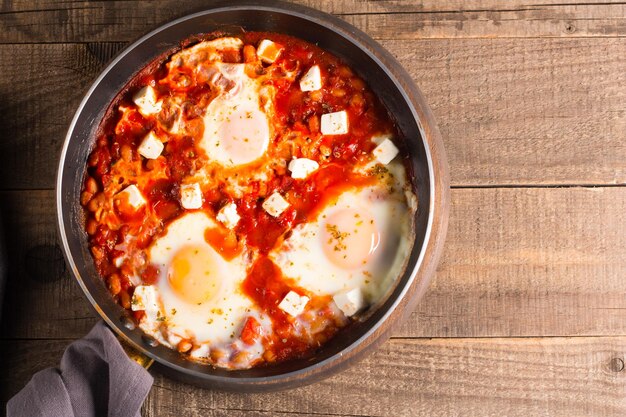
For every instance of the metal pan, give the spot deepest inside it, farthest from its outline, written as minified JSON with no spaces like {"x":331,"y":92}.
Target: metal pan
{"x":420,"y":140}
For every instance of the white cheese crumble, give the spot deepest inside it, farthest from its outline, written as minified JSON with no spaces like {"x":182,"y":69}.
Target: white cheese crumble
{"x":275,"y":204}
{"x":228,"y":215}
{"x":350,"y":302}
{"x":133,"y":195}
{"x":385,"y":151}
{"x":190,"y":196}
{"x":268,"y":51}
{"x":145,"y":298}
{"x":293,"y":303}
{"x":311,"y":80}
{"x":146,"y":101}
{"x":150,"y":147}
{"x":335,"y":123}
{"x":302,"y":167}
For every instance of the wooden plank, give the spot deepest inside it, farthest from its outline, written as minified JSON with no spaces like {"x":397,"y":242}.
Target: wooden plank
{"x":41,"y":86}
{"x":42,"y":298}
{"x":511,"y":111}
{"x":517,"y":262}
{"x":125,"y":20}
{"x":439,"y":377}
{"x":532,"y":22}
{"x":529,"y":262}
{"x":341,"y":7}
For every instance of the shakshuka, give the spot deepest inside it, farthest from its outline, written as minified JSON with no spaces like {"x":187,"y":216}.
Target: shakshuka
{"x":245,"y":199}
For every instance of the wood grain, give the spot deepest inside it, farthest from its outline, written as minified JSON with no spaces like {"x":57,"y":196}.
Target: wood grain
{"x":438,"y":377}
{"x":501,"y":377}
{"x":517,"y":262}
{"x":93,"y":21}
{"x":511,"y":111}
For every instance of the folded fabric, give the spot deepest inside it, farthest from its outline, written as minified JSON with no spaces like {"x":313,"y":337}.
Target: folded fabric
{"x":95,"y":378}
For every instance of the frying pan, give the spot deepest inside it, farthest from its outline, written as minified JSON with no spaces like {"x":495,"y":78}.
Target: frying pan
{"x":419,"y":141}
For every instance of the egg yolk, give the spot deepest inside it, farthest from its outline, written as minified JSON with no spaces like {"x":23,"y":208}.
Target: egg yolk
{"x":349,"y":238}
{"x":193,"y":274}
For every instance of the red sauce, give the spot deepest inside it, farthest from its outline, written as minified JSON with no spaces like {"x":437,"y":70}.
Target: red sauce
{"x":224,"y":242}
{"x":267,"y":286}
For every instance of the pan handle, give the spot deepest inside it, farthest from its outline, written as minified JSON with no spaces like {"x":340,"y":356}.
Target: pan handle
{"x":134,"y":355}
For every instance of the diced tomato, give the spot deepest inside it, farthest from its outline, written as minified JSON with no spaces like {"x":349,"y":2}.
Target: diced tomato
{"x":250,"y":331}
{"x":150,"y":274}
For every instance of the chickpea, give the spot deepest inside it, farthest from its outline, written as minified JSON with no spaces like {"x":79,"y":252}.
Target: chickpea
{"x":249,"y":53}
{"x":357,"y":83}
{"x":96,"y":203}
{"x":92,"y":227}
{"x":357,"y":100}
{"x":217,"y":354}
{"x":269,"y":356}
{"x":91,"y":185}
{"x":85,"y":197}
{"x":115,"y":284}
{"x":316,"y":95}
{"x":97,"y":252}
{"x":93,"y":160}
{"x":184,"y":346}
{"x":127,"y":153}
{"x":124,"y":298}
{"x":240,"y":357}
{"x":338,"y":92}
{"x":345,"y":71}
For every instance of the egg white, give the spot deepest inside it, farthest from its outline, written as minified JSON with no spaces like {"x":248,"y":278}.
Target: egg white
{"x":236,"y":127}
{"x":216,"y":320}
{"x":303,"y":258}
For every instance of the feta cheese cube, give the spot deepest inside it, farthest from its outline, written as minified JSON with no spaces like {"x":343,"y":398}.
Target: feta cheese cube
{"x":311,"y":80}
{"x":379,"y":138}
{"x":302,"y":167}
{"x":150,"y":147}
{"x":145,"y":298}
{"x":133,"y":195}
{"x":190,"y":196}
{"x":268,"y":51}
{"x":275,"y":204}
{"x":293,"y":303}
{"x":146,"y":101}
{"x":335,"y":123}
{"x":350,"y":302}
{"x":228,"y":215}
{"x":385,"y":152}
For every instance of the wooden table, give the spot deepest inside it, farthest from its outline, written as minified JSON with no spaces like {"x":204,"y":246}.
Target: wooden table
{"x":527,"y":314}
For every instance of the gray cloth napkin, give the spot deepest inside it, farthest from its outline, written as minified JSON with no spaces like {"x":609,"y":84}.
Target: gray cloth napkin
{"x":96,"y":378}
